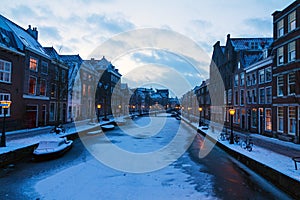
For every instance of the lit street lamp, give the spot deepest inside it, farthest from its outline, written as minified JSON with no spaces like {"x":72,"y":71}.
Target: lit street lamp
{"x":5,"y":105}
{"x":231,"y":112}
{"x":200,"y":110}
{"x":98,"y":112}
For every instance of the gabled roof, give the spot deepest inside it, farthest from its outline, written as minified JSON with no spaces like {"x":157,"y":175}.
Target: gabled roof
{"x":52,"y":53}
{"x":251,"y":43}
{"x":22,"y":38}
{"x":71,"y":58}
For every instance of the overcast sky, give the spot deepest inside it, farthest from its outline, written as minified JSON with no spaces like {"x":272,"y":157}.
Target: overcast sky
{"x":78,"y":27}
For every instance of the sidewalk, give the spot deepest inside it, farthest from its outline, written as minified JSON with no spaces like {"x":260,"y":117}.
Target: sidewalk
{"x":27,"y":137}
{"x":272,"y":152}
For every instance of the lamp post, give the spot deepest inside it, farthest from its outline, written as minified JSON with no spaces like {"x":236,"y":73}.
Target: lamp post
{"x":98,"y":112}
{"x":231,"y":112}
{"x":120,"y":109}
{"x":5,"y":105}
{"x":200,"y":111}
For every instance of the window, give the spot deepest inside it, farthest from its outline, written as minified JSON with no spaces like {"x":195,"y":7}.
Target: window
{"x":268,"y":95}
{"x":292,"y":21}
{"x":292,"y":51}
{"x":268,"y":73}
{"x":236,"y":80}
{"x":33,"y":64}
{"x":6,"y":97}
{"x":242,"y":81}
{"x":280,"y":119}
{"x":248,"y":80}
{"x":253,"y":79}
{"x":32,"y":85}
{"x":280,"y":84}
{"x":44,"y":68}
{"x":254,"y":45}
{"x":63,"y":76}
{"x":236,"y":98}
{"x":254,"y":96}
{"x":53,"y":90}
{"x":249,"y":100}
{"x":56,"y":73}
{"x":261,"y":95}
{"x":89,"y":90}
{"x":280,"y":28}
{"x":229,"y":96}
{"x":239,"y":65}
{"x":254,"y":117}
{"x":84,"y":90}
{"x":261,"y":76}
{"x":291,"y":83}
{"x":5,"y":71}
{"x":268,"y":119}
{"x":52,"y":112}
{"x":280,"y":59}
{"x":237,"y":116}
{"x":292,"y":120}
{"x":242,"y":98}
{"x":43,"y":87}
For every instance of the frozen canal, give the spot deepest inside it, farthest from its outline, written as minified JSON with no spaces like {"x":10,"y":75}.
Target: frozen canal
{"x":146,"y":159}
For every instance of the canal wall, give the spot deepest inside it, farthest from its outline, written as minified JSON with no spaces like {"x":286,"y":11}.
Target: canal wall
{"x":280,"y":180}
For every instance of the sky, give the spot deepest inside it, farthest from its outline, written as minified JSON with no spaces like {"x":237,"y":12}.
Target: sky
{"x":83,"y":26}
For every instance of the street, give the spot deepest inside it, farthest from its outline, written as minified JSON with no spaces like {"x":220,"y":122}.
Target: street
{"x":85,"y":172}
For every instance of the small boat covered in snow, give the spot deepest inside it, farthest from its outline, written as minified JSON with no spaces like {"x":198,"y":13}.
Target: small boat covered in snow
{"x":52,"y":148}
{"x":107,"y":127}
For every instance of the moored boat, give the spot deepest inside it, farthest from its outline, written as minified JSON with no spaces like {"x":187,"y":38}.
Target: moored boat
{"x":107,"y":127}
{"x":49,"y":149}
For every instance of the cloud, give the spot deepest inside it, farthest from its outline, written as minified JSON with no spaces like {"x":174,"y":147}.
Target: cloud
{"x":50,"y":33}
{"x":259,"y":24}
{"x":203,"y":24}
{"x":113,"y":24}
{"x":23,"y":13}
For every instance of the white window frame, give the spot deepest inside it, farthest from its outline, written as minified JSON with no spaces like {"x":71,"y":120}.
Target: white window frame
{"x":32,"y":77}
{"x":261,"y":76}
{"x":262,"y":95}
{"x":280,"y":118}
{"x":5,"y":73}
{"x":291,"y":83}
{"x":268,"y":119}
{"x":279,"y":85}
{"x":268,"y":98}
{"x":293,"y":118}
{"x":280,"y":56}
{"x":37,"y":63}
{"x":242,"y":79}
{"x":268,"y":71}
{"x":292,"y":21}
{"x":44,"y":66}
{"x":280,"y":28}
{"x":292,"y":51}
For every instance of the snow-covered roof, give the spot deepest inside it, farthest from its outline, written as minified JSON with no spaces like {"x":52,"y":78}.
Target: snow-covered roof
{"x":22,"y":37}
{"x":251,"y":43}
{"x":52,"y":53}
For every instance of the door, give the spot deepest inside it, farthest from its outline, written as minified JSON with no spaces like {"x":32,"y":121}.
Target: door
{"x":31,"y":118}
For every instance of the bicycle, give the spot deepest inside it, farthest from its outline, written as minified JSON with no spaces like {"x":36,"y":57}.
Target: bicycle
{"x":223,"y":136}
{"x":247,"y":144}
{"x":58,"y":129}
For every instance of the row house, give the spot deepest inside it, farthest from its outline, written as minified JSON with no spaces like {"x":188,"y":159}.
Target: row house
{"x":32,"y":71}
{"x":231,"y":61}
{"x":203,"y":98}
{"x":286,"y":73}
{"x":107,"y":87}
{"x":74,"y":86}
{"x":58,"y":88}
{"x":257,"y":98}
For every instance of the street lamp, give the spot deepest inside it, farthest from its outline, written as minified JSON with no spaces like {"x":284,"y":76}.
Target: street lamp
{"x":200,"y":110}
{"x":120,"y":109}
{"x":5,"y":105}
{"x":98,"y":112}
{"x":231,"y":112}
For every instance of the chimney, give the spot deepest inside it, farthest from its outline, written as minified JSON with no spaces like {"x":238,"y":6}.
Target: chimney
{"x":33,"y":32}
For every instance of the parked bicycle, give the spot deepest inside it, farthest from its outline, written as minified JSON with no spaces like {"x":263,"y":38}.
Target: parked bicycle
{"x":58,"y":129}
{"x":247,"y":143}
{"x":223,"y":136}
